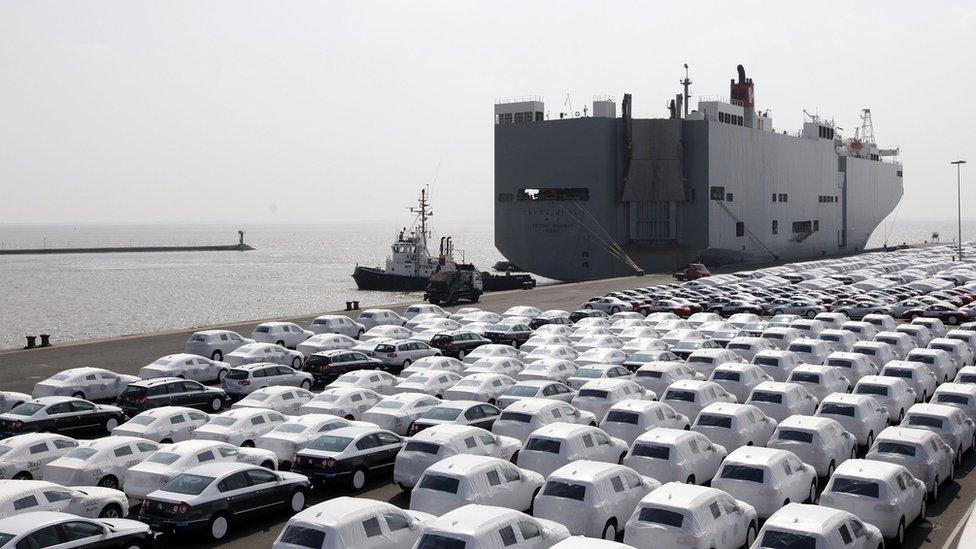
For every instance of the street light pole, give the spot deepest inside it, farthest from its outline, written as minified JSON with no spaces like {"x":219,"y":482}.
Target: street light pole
{"x":958,"y":164}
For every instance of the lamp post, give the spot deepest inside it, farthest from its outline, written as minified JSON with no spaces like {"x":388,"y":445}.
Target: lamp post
{"x":958,"y":164}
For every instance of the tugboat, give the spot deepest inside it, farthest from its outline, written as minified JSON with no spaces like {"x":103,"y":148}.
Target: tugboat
{"x":410,"y":265}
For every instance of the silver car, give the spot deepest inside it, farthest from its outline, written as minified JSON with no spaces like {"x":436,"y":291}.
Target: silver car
{"x":244,"y":380}
{"x":215,"y":344}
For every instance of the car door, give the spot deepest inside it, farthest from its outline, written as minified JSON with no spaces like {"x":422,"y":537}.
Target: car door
{"x":238,"y":496}
{"x":267,"y":489}
{"x":387,"y":446}
{"x":87,"y":415}
{"x":604,"y":449}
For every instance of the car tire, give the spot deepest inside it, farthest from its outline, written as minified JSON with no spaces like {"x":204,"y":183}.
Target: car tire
{"x":810,"y":314}
{"x":219,"y":526}
{"x":280,"y":342}
{"x":691,"y":479}
{"x":514,"y":458}
{"x":403,"y":487}
{"x":111,"y":510}
{"x":269,"y":465}
{"x":166,"y":441}
{"x":493,"y":402}
{"x":23,"y":475}
{"x":614,"y":310}
{"x":830,"y":469}
{"x":461,"y":354}
{"x":297,"y":501}
{"x":111,"y":423}
{"x":79,"y":394}
{"x":620,"y":460}
{"x":108,"y":481}
{"x":306,"y":384}
{"x":812,"y":496}
{"x":406,"y":364}
{"x":514,"y":344}
{"x":899,"y":538}
{"x":953,"y":319}
{"x":216,"y":404}
{"x":934,"y":492}
{"x":296,"y":363}
{"x":923,"y":512}
{"x":587,"y":306}
{"x":610,"y":531}
{"x":247,"y":444}
{"x":777,"y":312}
{"x":217,"y":355}
{"x":358,"y":478}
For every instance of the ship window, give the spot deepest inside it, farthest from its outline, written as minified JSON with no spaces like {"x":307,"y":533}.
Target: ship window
{"x":898,"y":173}
{"x":505,"y":118}
{"x":740,"y":228}
{"x":784,"y":197}
{"x":816,"y":225}
{"x":729,"y":197}
{"x":775,"y":227}
{"x":774,"y":197}
{"x":718,"y":193}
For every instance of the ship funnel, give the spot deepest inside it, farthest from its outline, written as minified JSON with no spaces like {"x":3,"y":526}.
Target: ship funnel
{"x":742,"y":93}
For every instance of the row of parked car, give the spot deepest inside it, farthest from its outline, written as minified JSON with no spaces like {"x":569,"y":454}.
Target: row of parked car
{"x":523,"y":428}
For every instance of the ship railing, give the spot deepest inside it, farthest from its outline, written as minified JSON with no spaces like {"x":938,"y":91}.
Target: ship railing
{"x":518,"y":99}
{"x":719,"y":99}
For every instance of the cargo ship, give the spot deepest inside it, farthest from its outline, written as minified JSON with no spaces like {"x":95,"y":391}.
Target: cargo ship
{"x":596,"y":195}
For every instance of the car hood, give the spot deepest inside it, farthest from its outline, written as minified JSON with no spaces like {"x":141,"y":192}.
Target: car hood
{"x":126,"y":525}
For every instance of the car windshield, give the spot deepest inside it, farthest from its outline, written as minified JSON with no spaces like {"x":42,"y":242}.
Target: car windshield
{"x":165,"y":361}
{"x":618,"y":416}
{"x":594,"y":393}
{"x":302,"y":536}
{"x":434,"y":541}
{"x":925,"y":421}
{"x":202,"y":338}
{"x":952,"y":398}
{"x":441,"y":413}
{"x":661,"y":516}
{"x":188,"y":484}
{"x":799,"y":348}
{"x":856,"y":487}
{"x":712,"y":420}
{"x":440,"y":483}
{"x":500,"y":327}
{"x":656,"y":374}
{"x":725,"y":375}
{"x":869,"y":389}
{"x":326,"y":398}
{"x":225,"y":421}
{"x":163,"y":458}
{"x":766,"y":360}
{"x":234,"y":373}
{"x":546,"y":445}
{"x":566,"y":490}
{"x":774,"y":539}
{"x":26,"y":409}
{"x":793,"y":434}
{"x":743,"y":472}
{"x":467,"y":383}
{"x":764,"y":396}
{"x":522,"y":390}
{"x":330,"y":443}
{"x":291,"y":428}
{"x":81,"y":453}
{"x":59,"y":377}
{"x":888,"y":447}
{"x":515,"y":416}
{"x":653,"y":451}
{"x":898,"y":372}
{"x":837,"y":409}
{"x":389,"y":405}
{"x":141,"y":420}
{"x":675,"y":394}
{"x":258,"y":396}
{"x":385,"y":348}
{"x":422,"y":447}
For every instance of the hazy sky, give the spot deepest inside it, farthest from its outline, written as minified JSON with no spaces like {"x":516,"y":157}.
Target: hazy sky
{"x":331,"y":111}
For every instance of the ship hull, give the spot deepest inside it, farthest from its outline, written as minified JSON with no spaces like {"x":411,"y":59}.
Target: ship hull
{"x":371,"y":278}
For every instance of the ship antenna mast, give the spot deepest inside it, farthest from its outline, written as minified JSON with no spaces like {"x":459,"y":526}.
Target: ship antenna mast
{"x":423,"y":212}
{"x":867,"y":126}
{"x":686,"y":83}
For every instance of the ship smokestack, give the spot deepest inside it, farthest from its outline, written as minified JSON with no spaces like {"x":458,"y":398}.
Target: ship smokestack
{"x":742,"y":93}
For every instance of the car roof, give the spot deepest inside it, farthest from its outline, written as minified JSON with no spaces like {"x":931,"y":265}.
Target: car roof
{"x":152,"y":382}
{"x":729,"y":408}
{"x":679,"y":495}
{"x":805,"y":518}
{"x":531,"y":405}
{"x":464,"y":464}
{"x":10,"y":488}
{"x":933,"y":409}
{"x":776,"y":386}
{"x":965,"y":388}
{"x":446,"y":432}
{"x":585,"y":470}
{"x":24,"y":523}
{"x":868,"y":468}
{"x":636,"y":405}
{"x":561,"y":430}
{"x":48,"y":400}
{"x":692,"y":384}
{"x":906,"y":434}
{"x":881,"y":380}
{"x":664,"y":435}
{"x":813,"y":423}
{"x":254,"y":366}
{"x":756,"y":455}
{"x":355,"y":431}
{"x":220,"y":468}
{"x":334,"y":511}
{"x":608,"y":383}
{"x":471,"y":519}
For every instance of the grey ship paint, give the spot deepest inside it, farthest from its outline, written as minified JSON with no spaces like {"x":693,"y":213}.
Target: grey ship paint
{"x":579,"y":198}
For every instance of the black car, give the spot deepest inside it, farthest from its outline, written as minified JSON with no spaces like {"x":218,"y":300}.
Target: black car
{"x":460,"y":412}
{"x":53,"y":528}
{"x":327,"y":366}
{"x":211,"y":497}
{"x":170,"y":391}
{"x":545,"y":319}
{"x":457,"y":343}
{"x":349,"y":454}
{"x":63,"y":415}
{"x":580,"y":314}
{"x":509,"y":333}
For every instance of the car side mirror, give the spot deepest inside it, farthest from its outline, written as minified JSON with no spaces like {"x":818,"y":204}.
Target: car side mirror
{"x":546,"y":533}
{"x":414,"y":524}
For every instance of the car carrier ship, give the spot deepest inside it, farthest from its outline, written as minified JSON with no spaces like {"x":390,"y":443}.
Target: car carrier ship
{"x":597,"y":196}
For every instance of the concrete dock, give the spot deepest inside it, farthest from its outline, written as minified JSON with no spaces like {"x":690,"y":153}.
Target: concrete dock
{"x":20,"y":369}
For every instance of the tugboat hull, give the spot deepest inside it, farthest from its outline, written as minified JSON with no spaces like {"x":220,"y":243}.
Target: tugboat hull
{"x":371,"y":278}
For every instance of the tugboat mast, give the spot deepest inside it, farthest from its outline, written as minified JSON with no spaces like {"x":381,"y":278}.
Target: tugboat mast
{"x":423,"y":212}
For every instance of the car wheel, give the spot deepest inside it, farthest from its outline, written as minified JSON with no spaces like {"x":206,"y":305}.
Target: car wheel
{"x":406,"y":363}
{"x":358,"y":479}
{"x":492,"y":401}
{"x":514,"y":458}
{"x":79,"y":394}
{"x":109,"y":481}
{"x":620,"y":460}
{"x":111,"y":511}
{"x":247,"y":444}
{"x":514,"y":344}
{"x":166,"y":441}
{"x":297,"y":501}
{"x":587,"y":306}
{"x":751,"y":535}
{"x":403,"y":487}
{"x":811,"y":314}
{"x":923,"y":512}
{"x":111,"y":423}
{"x":296,"y":363}
{"x":830,"y":469}
{"x":777,"y":312}
{"x":953,"y":319}
{"x":812,"y":496}
{"x":280,"y":342}
{"x":610,"y":531}
{"x":900,"y":534}
{"x":216,"y":404}
{"x":614,"y":310}
{"x":306,"y":384}
{"x":23,"y":475}
{"x":219,"y":525}
{"x":461,"y":354}
{"x":217,"y":355}
{"x":934,"y":493}
{"x":691,"y":479}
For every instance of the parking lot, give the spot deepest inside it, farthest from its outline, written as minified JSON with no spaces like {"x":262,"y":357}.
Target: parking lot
{"x":126,"y":355}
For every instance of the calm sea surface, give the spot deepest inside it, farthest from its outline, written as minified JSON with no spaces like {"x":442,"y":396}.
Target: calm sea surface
{"x":295,"y":270}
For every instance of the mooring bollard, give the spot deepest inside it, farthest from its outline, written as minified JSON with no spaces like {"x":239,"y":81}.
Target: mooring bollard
{"x":355,"y":305}
{"x":31,"y":342}
{"x":45,"y":340}
{"x":349,"y":305}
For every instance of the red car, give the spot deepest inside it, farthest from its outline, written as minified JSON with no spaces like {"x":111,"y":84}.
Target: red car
{"x":692,"y":271}
{"x":667,"y":306}
{"x":945,"y":313}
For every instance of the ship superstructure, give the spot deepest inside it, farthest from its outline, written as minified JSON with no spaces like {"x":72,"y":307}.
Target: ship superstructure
{"x":596,"y":196}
